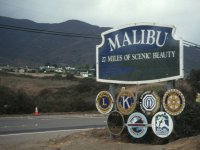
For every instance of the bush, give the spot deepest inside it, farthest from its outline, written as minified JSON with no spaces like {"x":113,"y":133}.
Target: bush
{"x":187,"y":90}
{"x":194,"y":80}
{"x":71,"y":77}
{"x":15,"y":102}
{"x":186,"y":124}
{"x":79,"y":97}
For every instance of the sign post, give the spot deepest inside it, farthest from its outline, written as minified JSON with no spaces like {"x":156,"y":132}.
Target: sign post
{"x":140,"y":54}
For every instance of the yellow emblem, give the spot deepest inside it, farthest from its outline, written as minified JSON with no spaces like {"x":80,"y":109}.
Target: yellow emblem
{"x":104,"y":102}
{"x":173,"y":102}
{"x":126,"y":102}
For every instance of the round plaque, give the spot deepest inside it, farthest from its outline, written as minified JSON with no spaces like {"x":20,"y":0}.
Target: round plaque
{"x":137,"y":125}
{"x":126,"y":102}
{"x":104,"y":102}
{"x":115,"y":123}
{"x":162,"y":124}
{"x":149,"y":102}
{"x":173,"y":102}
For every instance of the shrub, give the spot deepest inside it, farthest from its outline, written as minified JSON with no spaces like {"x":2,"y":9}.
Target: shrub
{"x":71,"y":77}
{"x":15,"y":102}
{"x":186,"y":124}
{"x":79,"y":97}
{"x":194,"y":80}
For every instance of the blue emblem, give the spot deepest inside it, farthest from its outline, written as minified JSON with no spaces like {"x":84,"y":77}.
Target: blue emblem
{"x":126,"y":102}
{"x":104,"y":102}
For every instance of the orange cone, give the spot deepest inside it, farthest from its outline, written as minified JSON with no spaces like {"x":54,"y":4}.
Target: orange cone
{"x":36,"y":111}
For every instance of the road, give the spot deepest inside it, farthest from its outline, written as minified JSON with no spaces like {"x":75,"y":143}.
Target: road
{"x":27,"y":124}
{"x":29,"y":131}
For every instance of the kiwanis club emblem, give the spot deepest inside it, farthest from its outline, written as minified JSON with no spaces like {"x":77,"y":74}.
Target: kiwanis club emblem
{"x":104,"y":102}
{"x":126,"y":102}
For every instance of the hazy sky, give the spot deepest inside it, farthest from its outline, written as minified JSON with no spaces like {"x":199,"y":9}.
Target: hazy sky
{"x":184,"y":14}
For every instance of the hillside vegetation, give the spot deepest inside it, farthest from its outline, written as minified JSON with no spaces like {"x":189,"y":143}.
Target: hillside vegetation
{"x":30,"y":49}
{"x":21,"y":94}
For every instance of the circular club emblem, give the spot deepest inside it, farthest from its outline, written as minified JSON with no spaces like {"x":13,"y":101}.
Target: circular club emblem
{"x":149,"y":103}
{"x":162,"y":124}
{"x":104,"y":102}
{"x":173,"y":102}
{"x":126,"y":102}
{"x":137,"y":125}
{"x":115,"y":123}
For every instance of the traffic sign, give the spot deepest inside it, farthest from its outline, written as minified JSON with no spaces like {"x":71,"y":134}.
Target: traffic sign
{"x":137,"y":125}
{"x":149,"y":102}
{"x":162,"y":124}
{"x":115,"y":123}
{"x":126,"y":102}
{"x":173,"y":102}
{"x":104,"y":102}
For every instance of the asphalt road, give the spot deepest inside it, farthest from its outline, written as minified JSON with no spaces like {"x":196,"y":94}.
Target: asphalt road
{"x":29,"y":124}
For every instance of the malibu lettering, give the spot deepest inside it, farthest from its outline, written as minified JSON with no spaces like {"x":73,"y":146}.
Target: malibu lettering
{"x":148,"y":37}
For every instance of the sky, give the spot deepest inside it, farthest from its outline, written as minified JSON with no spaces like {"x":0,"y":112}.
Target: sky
{"x":183,"y":14}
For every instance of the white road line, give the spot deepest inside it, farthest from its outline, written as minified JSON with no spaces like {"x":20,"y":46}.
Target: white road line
{"x":53,"y":116}
{"x":28,"y":133}
{"x":10,"y":126}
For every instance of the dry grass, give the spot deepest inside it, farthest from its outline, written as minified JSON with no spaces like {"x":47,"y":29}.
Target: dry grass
{"x":32,"y":86}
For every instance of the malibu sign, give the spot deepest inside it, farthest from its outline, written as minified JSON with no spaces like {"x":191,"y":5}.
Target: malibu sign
{"x":139,"y":53}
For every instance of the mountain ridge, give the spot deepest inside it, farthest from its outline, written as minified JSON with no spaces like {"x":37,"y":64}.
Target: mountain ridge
{"x":27,"y":48}
{"x":31,"y":48}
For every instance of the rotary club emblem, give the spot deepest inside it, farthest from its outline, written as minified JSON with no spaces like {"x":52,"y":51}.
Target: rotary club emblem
{"x":173,"y":102}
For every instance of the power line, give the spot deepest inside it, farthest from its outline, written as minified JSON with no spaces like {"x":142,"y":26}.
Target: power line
{"x":191,"y":44}
{"x":9,"y":27}
{"x":92,"y":36}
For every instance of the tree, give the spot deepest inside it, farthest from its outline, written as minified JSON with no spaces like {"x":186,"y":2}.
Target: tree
{"x":194,"y":79}
{"x":47,"y":64}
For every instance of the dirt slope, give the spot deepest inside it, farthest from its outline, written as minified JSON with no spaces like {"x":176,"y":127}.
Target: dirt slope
{"x":99,"y":139}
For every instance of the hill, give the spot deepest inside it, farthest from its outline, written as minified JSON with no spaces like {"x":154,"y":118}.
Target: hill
{"x":28,"y":48}
{"x":191,"y":59}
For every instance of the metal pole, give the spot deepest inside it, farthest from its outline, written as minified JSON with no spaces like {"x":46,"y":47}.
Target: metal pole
{"x":112,"y":92}
{"x":170,"y":84}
